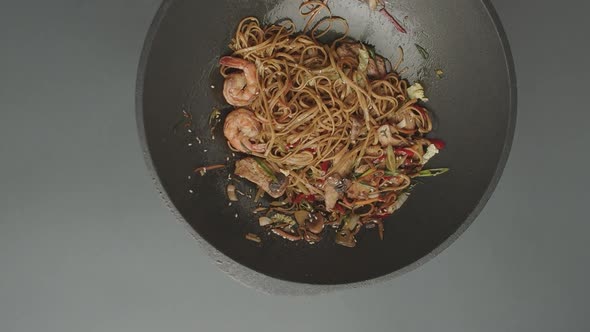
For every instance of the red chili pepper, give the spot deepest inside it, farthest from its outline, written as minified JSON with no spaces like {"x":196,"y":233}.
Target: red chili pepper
{"x":392,"y":19}
{"x":325,"y":165}
{"x":404,"y":151}
{"x":298,"y":198}
{"x":339,"y":208}
{"x":312,"y":150}
{"x":438,"y":143}
{"x":302,"y":197}
{"x":422,"y":110}
{"x":293,"y":145}
{"x":379,"y":160}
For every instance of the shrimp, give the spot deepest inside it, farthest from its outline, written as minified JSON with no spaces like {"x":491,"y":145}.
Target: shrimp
{"x":240,"y":88}
{"x":240,"y":128}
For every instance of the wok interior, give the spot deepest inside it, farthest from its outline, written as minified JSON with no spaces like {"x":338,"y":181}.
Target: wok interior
{"x":471,"y":107}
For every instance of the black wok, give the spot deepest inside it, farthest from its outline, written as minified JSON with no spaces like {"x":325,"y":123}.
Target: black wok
{"x":473,"y":104}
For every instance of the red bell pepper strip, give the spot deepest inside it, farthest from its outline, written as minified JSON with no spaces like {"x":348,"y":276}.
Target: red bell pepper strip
{"x":438,"y":143}
{"x":422,"y":110}
{"x":339,"y":208}
{"x":303,"y":197}
{"x":382,"y":216}
{"x":393,"y":20}
{"x":405,"y":152}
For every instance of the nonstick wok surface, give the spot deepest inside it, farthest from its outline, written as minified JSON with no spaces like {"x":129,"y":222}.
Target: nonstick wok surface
{"x":473,"y":106}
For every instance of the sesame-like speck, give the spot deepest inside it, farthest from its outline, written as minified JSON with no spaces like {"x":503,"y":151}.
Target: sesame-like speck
{"x":190,"y":130}
{"x":233,"y":154}
{"x":190,"y":177}
{"x":213,"y":87}
{"x":236,"y":216}
{"x":205,"y":150}
{"x":227,"y":158}
{"x":191,"y":191}
{"x":190,"y":144}
{"x":229,"y":204}
{"x":198,"y":140}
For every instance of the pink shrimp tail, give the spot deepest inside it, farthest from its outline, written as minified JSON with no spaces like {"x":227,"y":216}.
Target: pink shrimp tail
{"x":233,"y":62}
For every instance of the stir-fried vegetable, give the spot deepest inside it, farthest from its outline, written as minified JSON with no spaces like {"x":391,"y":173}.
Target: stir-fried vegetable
{"x":253,"y":238}
{"x":344,"y":173}
{"x":203,"y":170}
{"x":371,"y":50}
{"x":363,"y":65}
{"x":432,"y":172}
{"x":431,"y":151}
{"x":301,"y":216}
{"x":214,"y":119}
{"x":282,"y":218}
{"x":265,"y":221}
{"x":266,"y":168}
{"x":438,"y":143}
{"x":423,"y":52}
{"x":259,"y":194}
{"x":231,"y":193}
{"x":303,"y":197}
{"x":416,"y":91}
{"x":390,"y":160}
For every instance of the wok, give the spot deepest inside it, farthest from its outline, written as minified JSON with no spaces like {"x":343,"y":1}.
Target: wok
{"x":474,"y":105}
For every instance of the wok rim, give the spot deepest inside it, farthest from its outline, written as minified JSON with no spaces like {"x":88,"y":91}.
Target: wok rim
{"x":272,"y":285}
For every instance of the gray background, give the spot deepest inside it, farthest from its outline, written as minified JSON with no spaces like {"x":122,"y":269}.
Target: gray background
{"x":87,"y":245}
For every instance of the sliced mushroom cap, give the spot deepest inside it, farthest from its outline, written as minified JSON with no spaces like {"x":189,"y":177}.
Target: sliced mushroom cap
{"x":388,"y":135}
{"x":311,"y":237}
{"x":345,"y":237}
{"x":286,"y":235}
{"x":376,"y":222}
{"x":316,"y":224}
{"x":385,"y":135}
{"x":333,"y":189}
{"x":301,"y":216}
{"x":274,"y":184}
{"x":277,"y":186}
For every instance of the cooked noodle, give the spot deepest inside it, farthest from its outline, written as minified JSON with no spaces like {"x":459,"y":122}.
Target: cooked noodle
{"x":324,"y":119}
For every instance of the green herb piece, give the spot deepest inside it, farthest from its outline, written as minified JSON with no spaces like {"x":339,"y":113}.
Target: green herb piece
{"x":214,"y":119}
{"x":371,"y":50}
{"x":423,"y":52}
{"x":432,"y":172}
{"x":266,"y":168}
{"x":390,"y":160}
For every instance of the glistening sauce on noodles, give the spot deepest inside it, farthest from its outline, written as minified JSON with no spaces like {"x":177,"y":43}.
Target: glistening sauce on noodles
{"x":329,"y":131}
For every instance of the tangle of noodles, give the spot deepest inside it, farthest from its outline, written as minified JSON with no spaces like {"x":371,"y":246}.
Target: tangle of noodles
{"x":331,"y":115}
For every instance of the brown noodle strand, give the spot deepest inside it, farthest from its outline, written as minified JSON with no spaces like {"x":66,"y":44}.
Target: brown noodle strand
{"x":318,"y":110}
